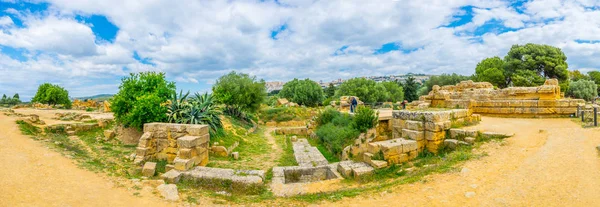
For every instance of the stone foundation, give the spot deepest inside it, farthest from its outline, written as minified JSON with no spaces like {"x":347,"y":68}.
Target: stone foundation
{"x":482,"y":98}
{"x":184,"y":145}
{"x":395,"y":151}
{"x":428,"y":128}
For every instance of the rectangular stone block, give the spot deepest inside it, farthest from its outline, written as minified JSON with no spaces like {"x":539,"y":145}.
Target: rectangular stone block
{"x":434,"y":136}
{"x":530,"y":103}
{"x":187,"y":153}
{"x":409,"y":145}
{"x":373,"y":148}
{"x":188,"y":141}
{"x":411,"y":134}
{"x":433,"y":146}
{"x":412,"y":155}
{"x":141,"y":151}
{"x":197,"y":130}
{"x":414,"y":125}
{"x":515,"y":103}
{"x":183,"y":164}
{"x":547,"y":103}
{"x":438,"y":126}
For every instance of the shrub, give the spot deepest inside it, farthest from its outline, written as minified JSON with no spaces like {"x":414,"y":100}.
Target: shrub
{"x":52,"y":95}
{"x":583,"y":89}
{"x":366,"y":90}
{"x":240,"y":90}
{"x":365,"y":118}
{"x":335,"y":138}
{"x":141,"y":99}
{"x":327,"y":116}
{"x":237,"y":113}
{"x":304,"y":92}
{"x":199,"y":109}
{"x":394,"y":91}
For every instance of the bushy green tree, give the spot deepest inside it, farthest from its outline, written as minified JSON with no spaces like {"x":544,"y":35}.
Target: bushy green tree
{"x":527,"y":78}
{"x":52,"y":95}
{"x":365,"y":119}
{"x":542,"y":60}
{"x":595,"y":76}
{"x":4,"y":99}
{"x":491,"y":70}
{"x":304,"y":92}
{"x":240,"y":90}
{"x":330,"y":90}
{"x":411,"y":88}
{"x":442,"y":80}
{"x":366,"y":90}
{"x":141,"y":99}
{"x":577,"y":75}
{"x":583,"y":89}
{"x":394,"y":92}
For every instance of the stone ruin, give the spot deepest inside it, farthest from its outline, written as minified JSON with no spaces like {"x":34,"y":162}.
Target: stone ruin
{"x":344,"y":105}
{"x":483,"y":98}
{"x":183,"y":145}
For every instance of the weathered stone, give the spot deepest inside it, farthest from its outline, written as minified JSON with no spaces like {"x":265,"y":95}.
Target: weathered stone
{"x":169,"y":167}
{"x":235,"y":155}
{"x":451,"y":143}
{"x":294,"y":138}
{"x":219,"y":150}
{"x":168,"y":191}
{"x":149,"y":169}
{"x":109,"y":134}
{"x":183,"y":164}
{"x":362,"y":171}
{"x":470,"y":140}
{"x":378,"y":164}
{"x":171,"y":176}
{"x":188,"y":141}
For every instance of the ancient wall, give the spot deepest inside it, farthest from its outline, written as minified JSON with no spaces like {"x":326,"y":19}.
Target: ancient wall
{"x":482,"y":98}
{"x":184,"y":145}
{"x":428,"y":128}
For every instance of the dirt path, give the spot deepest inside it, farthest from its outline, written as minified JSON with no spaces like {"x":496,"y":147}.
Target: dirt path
{"x":549,"y":162}
{"x":277,"y":151}
{"x":33,"y":175}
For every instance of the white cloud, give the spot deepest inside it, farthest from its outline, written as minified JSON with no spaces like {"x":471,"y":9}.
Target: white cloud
{"x":198,"y":41}
{"x":5,"y":21}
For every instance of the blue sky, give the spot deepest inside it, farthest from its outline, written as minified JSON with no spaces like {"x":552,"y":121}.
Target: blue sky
{"x":88,"y":46}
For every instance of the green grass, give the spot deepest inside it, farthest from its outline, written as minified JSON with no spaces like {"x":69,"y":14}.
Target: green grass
{"x":326,"y":153}
{"x":28,"y":129}
{"x":252,"y":150}
{"x":287,"y":158}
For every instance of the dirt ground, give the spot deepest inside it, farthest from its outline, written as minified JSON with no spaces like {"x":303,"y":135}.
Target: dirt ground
{"x":549,"y":162}
{"x":48,"y":115}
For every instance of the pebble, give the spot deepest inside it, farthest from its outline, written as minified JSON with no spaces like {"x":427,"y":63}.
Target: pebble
{"x":469,"y":194}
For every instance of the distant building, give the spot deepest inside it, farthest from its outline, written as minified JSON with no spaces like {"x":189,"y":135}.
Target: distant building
{"x":274,"y":86}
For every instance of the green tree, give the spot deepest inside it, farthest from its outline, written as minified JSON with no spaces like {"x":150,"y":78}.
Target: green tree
{"x":411,"y":88}
{"x":4,"y":99}
{"x":141,"y":99}
{"x":595,"y":76}
{"x":542,"y":60}
{"x":304,"y":92}
{"x":491,"y":70}
{"x":395,"y":92}
{"x":330,"y":90}
{"x":527,"y":78}
{"x":577,"y":75}
{"x":583,"y":89}
{"x":52,"y":95}
{"x":365,"y":119}
{"x":240,"y":90}
{"x":366,"y":90}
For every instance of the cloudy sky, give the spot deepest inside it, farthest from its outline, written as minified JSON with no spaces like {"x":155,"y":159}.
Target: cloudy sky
{"x":88,"y":46}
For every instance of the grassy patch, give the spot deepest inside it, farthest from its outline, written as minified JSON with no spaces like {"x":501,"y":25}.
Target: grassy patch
{"x":28,"y":129}
{"x":326,"y":153}
{"x":252,"y":149}
{"x":287,"y":158}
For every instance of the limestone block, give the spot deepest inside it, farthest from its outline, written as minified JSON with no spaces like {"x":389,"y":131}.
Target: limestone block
{"x":421,"y":145}
{"x":187,"y":153}
{"x":434,"y":136}
{"x":146,"y":136}
{"x":362,"y":171}
{"x":149,"y":169}
{"x":168,"y":191}
{"x":109,"y":134}
{"x":219,"y":150}
{"x":188,"y":141}
{"x":398,"y":159}
{"x":411,"y":134}
{"x":141,"y":151}
{"x":169,"y":167}
{"x":547,"y":103}
{"x":451,"y":143}
{"x":396,"y":132}
{"x":515,"y":103}
{"x":470,"y":140}
{"x":414,"y":125}
{"x":183,"y":164}
{"x":378,"y":164}
{"x":433,"y":146}
{"x":409,"y":145}
{"x":343,"y":167}
{"x":197,"y":130}
{"x":438,"y":126}
{"x":530,"y":103}
{"x":412,"y":155}
{"x":373,"y":148}
{"x":171,"y":176}
{"x":367,"y":157}
{"x":235,"y":155}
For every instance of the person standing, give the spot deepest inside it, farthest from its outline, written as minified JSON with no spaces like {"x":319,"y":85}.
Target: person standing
{"x":353,"y":104}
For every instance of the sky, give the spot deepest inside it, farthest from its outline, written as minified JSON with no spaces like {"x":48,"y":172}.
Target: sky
{"x":88,"y":46}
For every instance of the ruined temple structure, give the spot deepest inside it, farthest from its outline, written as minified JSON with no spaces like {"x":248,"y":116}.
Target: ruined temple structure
{"x":483,"y":98}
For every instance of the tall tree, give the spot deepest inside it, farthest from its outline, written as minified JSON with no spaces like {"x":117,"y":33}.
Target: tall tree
{"x":491,"y":70}
{"x":3,"y":100}
{"x":411,"y":88}
{"x":542,"y":60}
{"x":52,"y":95}
{"x":304,"y":92}
{"x":595,"y":76}
{"x":239,"y":90}
{"x":330,"y":90}
{"x":366,"y":90}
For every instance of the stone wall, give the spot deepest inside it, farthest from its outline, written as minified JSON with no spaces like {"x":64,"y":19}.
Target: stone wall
{"x":428,"y":128}
{"x":184,"y":145}
{"x":482,"y":98}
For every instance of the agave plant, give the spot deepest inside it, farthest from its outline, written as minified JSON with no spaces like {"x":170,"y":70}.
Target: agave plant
{"x":178,"y":107}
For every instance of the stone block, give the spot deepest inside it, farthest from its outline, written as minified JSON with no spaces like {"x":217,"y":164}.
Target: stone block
{"x":412,"y":134}
{"x":171,"y":176}
{"x":438,"y":126}
{"x":378,"y":164}
{"x":235,"y":155}
{"x":183,"y":164}
{"x":451,"y":143}
{"x":414,"y":125}
{"x":109,"y":134}
{"x":412,"y":155}
{"x":188,"y":141}
{"x":433,"y":136}
{"x":186,"y":153}
{"x":169,"y":167}
{"x":141,"y":151}
{"x":343,"y":167}
{"x":197,"y":130}
{"x":373,"y":148}
{"x":149,"y":169}
{"x":367,"y":157}
{"x":219,"y":150}
{"x":409,"y":145}
{"x":362,"y":171}
{"x":168,"y":191}
{"x":470,"y":140}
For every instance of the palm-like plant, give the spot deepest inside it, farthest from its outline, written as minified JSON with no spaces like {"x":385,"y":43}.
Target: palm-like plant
{"x":177,"y":109}
{"x":199,"y":109}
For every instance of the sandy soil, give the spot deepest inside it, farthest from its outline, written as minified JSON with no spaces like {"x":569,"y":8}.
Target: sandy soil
{"x":549,"y":162}
{"x":48,"y":115}
{"x":33,"y":175}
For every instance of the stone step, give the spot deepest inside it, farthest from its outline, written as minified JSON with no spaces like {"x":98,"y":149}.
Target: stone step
{"x":70,"y":133}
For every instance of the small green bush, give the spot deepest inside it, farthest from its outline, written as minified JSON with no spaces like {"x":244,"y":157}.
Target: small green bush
{"x":304,"y":92}
{"x":365,"y":118}
{"x":583,"y":89}
{"x":335,"y":137}
{"x":327,"y":116}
